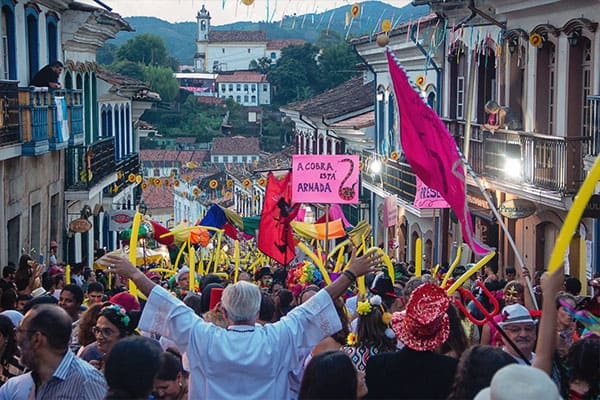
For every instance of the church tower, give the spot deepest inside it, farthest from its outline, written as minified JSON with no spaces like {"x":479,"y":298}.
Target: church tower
{"x":203,"y":18}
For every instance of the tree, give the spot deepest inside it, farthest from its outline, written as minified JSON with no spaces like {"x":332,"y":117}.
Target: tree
{"x":106,"y":54}
{"x":262,"y":65}
{"x":147,"y":49}
{"x":161,"y":80}
{"x":296,"y":75}
{"x":337,"y":64}
{"x":128,"y":68}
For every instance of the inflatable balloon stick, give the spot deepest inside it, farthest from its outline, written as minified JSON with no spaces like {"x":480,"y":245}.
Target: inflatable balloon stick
{"x":68,"y":274}
{"x":470,"y":272}
{"x":573,"y":216}
{"x":192,"y":266}
{"x":418,"y":257}
{"x":451,"y":269}
{"x":135,"y":228}
{"x":236,"y":257}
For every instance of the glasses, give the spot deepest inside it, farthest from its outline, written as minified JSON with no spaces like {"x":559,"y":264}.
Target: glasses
{"x":106,"y":332}
{"x":516,"y":329}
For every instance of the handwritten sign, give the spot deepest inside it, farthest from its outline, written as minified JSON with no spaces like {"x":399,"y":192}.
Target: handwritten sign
{"x":426,"y":197}
{"x":325,"y":179}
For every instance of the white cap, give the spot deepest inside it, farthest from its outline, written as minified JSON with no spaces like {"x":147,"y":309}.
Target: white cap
{"x":517,"y":381}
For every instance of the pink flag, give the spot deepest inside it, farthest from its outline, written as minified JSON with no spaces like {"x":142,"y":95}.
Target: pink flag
{"x":431,"y":151}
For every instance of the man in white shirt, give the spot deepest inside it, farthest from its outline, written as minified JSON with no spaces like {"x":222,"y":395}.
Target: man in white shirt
{"x":520,"y":329}
{"x":246,"y":360}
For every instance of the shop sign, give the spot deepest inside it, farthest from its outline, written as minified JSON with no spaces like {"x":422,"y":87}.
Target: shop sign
{"x":80,"y":225}
{"x":517,"y":208}
{"x":120,"y":220}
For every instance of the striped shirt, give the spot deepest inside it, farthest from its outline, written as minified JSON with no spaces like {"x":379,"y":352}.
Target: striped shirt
{"x":72,"y":379}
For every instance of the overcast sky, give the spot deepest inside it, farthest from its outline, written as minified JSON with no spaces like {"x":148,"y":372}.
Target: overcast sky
{"x":227,"y":11}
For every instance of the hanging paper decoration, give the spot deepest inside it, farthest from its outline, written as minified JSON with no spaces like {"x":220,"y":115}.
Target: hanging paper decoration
{"x":176,"y":183}
{"x":355,"y":10}
{"x":196,"y":191}
{"x":394,"y":155}
{"x":247,"y":2}
{"x":262,"y":182}
{"x":138,"y":179}
{"x":144,"y":186}
{"x":386,"y":25}
{"x":229,"y":183}
{"x":247,"y":183}
{"x":420,"y":81}
{"x":131,"y":178}
{"x":536,"y":40}
{"x":213,"y":184}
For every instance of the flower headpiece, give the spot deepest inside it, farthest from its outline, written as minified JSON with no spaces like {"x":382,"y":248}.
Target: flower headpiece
{"x":301,"y":276}
{"x":120,"y":312}
{"x":365,"y":308}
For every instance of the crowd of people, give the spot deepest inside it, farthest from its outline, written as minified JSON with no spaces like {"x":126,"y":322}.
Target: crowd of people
{"x":283,"y":333}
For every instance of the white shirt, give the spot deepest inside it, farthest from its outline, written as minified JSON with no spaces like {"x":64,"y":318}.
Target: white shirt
{"x":242,"y":361}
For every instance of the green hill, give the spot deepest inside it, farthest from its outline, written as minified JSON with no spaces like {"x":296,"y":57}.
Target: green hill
{"x":180,"y":38}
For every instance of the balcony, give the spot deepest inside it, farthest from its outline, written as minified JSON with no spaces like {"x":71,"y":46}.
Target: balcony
{"x":90,"y":169}
{"x":50,"y":120}
{"x":547,"y":163}
{"x":396,"y":177}
{"x":9,"y":120}
{"x":124,"y":168}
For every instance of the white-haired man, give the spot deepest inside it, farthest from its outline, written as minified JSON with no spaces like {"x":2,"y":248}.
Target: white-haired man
{"x":245,"y":360}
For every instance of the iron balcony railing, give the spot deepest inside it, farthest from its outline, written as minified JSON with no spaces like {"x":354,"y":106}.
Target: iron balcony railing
{"x":396,"y":177}
{"x":126,"y":169}
{"x":86,"y":166}
{"x":546,"y":162}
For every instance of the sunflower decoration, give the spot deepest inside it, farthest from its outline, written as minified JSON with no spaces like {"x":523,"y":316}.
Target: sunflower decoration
{"x":157,"y":182}
{"x":176,"y":183}
{"x":262,"y":182}
{"x":144,"y":185}
{"x":165,"y":182}
{"x":386,"y":25}
{"x":247,"y":2}
{"x":187,"y":178}
{"x":227,"y":195}
{"x":394,"y":155}
{"x":184,"y":194}
{"x":536,"y":40}
{"x":172,"y":174}
{"x":351,"y":339}
{"x":229,"y":183}
{"x":247,"y":183}
{"x":138,"y":179}
{"x":213,"y":184}
{"x":131,"y":178}
{"x":420,"y":81}
{"x":355,"y":10}
{"x":255,"y":197}
{"x":196,"y":192}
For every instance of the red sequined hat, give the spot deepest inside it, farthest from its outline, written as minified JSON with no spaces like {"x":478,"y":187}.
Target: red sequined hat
{"x":426,"y":325}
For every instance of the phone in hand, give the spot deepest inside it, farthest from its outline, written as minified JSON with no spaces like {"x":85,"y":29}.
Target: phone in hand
{"x":40,"y":259}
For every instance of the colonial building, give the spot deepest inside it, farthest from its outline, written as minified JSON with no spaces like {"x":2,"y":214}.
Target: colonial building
{"x":235,"y":150}
{"x":47,"y":183}
{"x":540,"y":59}
{"x":248,"y":88}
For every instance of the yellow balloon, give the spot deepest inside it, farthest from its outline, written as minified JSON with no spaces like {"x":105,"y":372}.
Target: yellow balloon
{"x":573,"y":216}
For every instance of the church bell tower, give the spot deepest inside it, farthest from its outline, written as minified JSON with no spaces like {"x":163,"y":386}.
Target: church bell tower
{"x":203,"y":20}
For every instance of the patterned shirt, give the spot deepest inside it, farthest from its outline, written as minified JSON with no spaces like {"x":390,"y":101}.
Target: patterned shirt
{"x":10,"y":368}
{"x":72,"y":379}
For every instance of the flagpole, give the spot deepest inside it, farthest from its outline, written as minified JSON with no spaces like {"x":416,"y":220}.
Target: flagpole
{"x":468,"y":118}
{"x":326,"y":247}
{"x":500,"y":220}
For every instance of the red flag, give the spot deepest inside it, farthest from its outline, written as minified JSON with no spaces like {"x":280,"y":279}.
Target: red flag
{"x":431,"y":151}
{"x":160,"y":230}
{"x":275,"y":237}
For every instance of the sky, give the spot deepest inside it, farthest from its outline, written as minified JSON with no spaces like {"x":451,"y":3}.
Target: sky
{"x":227,"y":11}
